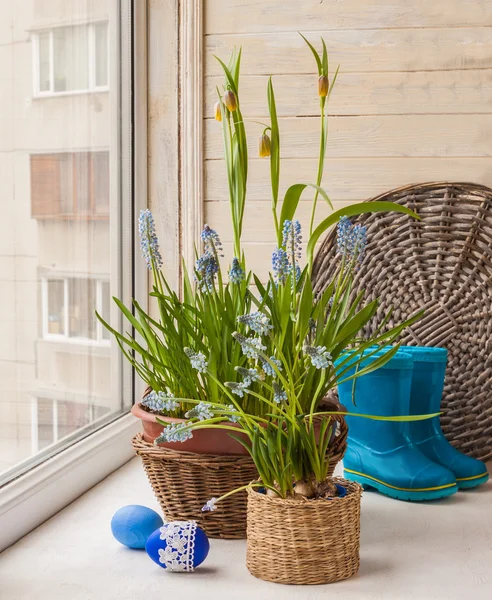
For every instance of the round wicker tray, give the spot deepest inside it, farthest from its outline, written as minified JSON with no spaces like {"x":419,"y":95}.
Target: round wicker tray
{"x":443,"y":264}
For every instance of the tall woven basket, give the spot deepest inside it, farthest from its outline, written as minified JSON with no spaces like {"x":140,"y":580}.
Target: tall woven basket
{"x":443,"y":264}
{"x":304,"y":542}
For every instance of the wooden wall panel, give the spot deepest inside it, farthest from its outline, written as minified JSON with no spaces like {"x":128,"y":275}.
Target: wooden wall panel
{"x":413,"y":101}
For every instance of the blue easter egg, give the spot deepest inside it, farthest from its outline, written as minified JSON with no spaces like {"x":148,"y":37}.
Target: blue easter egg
{"x":178,"y":546}
{"x":132,"y":525}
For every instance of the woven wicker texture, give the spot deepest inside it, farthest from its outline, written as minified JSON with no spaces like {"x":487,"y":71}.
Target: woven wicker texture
{"x":310,"y":542}
{"x":183,"y":482}
{"x":443,"y":264}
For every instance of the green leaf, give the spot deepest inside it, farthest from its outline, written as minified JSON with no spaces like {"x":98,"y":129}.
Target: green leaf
{"x":292,"y":197}
{"x":315,"y":54}
{"x":325,"y":58}
{"x":350,"y":211}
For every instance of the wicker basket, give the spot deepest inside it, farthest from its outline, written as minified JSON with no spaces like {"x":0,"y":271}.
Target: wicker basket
{"x":184,"y":481}
{"x":310,"y":542}
{"x":443,"y":264}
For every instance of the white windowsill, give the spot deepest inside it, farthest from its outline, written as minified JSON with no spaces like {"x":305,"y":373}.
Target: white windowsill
{"x":41,"y":95}
{"x":425,"y":551}
{"x":34,"y":497}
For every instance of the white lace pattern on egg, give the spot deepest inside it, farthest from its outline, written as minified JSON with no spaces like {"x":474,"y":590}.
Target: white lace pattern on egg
{"x":179,"y":553}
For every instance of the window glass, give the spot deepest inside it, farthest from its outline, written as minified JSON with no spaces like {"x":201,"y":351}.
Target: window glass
{"x":101,"y":54}
{"x":59,"y":261}
{"x":71,"y":58}
{"x":44,"y":61}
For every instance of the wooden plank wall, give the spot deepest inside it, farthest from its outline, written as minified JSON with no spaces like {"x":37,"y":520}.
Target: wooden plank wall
{"x":413,"y":101}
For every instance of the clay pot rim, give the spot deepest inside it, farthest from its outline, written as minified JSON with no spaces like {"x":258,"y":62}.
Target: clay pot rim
{"x":140,"y":413}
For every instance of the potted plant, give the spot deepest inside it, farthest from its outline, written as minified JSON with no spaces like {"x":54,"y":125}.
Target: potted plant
{"x":208,"y":353}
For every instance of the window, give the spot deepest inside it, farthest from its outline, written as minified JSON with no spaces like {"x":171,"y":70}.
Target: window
{"x":70,"y":185}
{"x":66,"y":234}
{"x":68,"y":306}
{"x":71,"y":59}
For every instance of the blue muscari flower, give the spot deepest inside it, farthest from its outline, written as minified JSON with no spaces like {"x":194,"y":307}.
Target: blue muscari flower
{"x":236,"y":273}
{"x":210,"y":505}
{"x":202,"y":411}
{"x":280,"y":265}
{"x":211,"y":241}
{"x":292,"y":240}
{"x":206,"y":268}
{"x":173,"y":433}
{"x":249,"y":345}
{"x":351,"y":240}
{"x":238,"y":388}
{"x":249,"y":375}
{"x":160,"y":402}
{"x":267,"y":367}
{"x":319,"y":355}
{"x":257,"y":322}
{"x":149,"y":244}
{"x":234,"y":418}
{"x":197,"y":360}
{"x":279,"y":394}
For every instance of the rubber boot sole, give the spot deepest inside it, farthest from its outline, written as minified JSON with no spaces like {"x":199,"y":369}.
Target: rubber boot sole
{"x":412,"y":495}
{"x":466,"y":483}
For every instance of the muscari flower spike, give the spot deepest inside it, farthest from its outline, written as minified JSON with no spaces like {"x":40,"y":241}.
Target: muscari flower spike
{"x":210,"y":505}
{"x":257,"y":322}
{"x":234,"y":418}
{"x":267,"y":367}
{"x":238,"y":388}
{"x":236,"y":273}
{"x":211,"y":241}
{"x":351,"y":240}
{"x":280,"y":266}
{"x":250,"y":346}
{"x":206,"y":268}
{"x":160,"y":402}
{"x":279,"y":394}
{"x":149,"y":243}
{"x":292,"y":240}
{"x":249,"y":375}
{"x":319,"y":355}
{"x":197,"y":360}
{"x":202,"y":411}
{"x":174,"y":433}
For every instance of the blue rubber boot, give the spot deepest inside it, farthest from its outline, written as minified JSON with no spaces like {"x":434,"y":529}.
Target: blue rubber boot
{"x":379,"y":454}
{"x":429,"y":369}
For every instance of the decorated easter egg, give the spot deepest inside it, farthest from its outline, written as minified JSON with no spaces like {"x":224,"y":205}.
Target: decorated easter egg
{"x":178,"y":546}
{"x":132,"y":525}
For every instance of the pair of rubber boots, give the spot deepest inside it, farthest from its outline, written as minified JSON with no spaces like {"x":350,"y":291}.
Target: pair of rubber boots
{"x":404,"y":460}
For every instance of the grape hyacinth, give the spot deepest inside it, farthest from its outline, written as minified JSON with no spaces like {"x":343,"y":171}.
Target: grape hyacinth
{"x":238,"y":388}
{"x":249,"y":375}
{"x":210,"y":505}
{"x":351,"y":240}
{"x":236,"y":273}
{"x":279,"y":394}
{"x":249,"y":345}
{"x":234,"y":418}
{"x":267,"y":367}
{"x":202,"y":411}
{"x":211,"y":241}
{"x":197,"y":360}
{"x":206,"y":268}
{"x":174,"y":433}
{"x":280,"y":266}
{"x":149,"y":244}
{"x":160,"y":402}
{"x":292,"y":240}
{"x":319,"y":355}
{"x":257,"y":322}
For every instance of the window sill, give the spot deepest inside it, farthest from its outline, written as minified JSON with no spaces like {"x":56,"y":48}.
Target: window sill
{"x":76,"y":345}
{"x":37,"y":495}
{"x":42,"y":95}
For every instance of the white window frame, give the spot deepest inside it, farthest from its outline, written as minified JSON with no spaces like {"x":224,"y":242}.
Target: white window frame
{"x":91,"y":57}
{"x":65,"y":337}
{"x":45,"y":489}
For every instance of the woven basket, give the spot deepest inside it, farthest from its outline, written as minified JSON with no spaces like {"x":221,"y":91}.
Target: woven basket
{"x":184,"y":481}
{"x":310,"y":542}
{"x":443,"y":264}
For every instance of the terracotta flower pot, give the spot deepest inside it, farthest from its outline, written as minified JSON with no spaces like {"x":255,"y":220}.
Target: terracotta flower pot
{"x":204,"y":441}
